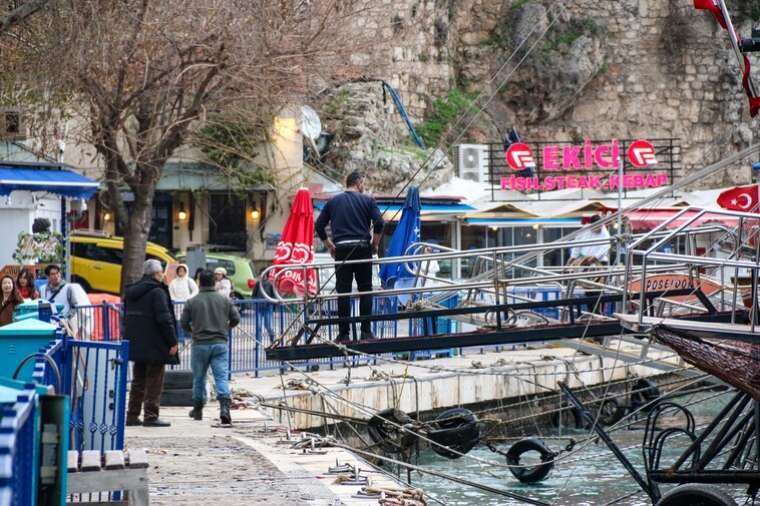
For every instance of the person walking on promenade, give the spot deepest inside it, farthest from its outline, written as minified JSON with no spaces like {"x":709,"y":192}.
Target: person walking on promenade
{"x":25,"y":285}
{"x":350,"y":215}
{"x":182,"y":287}
{"x":58,"y":291}
{"x":150,"y":328}
{"x":222,"y":284}
{"x":9,"y":299}
{"x":208,"y":318}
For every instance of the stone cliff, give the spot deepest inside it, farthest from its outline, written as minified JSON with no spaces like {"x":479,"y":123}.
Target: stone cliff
{"x":587,"y":69}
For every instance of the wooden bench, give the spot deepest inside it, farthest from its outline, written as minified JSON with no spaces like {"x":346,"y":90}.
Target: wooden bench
{"x":93,"y":472}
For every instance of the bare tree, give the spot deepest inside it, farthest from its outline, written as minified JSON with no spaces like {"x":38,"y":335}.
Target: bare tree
{"x":142,"y":75}
{"x":19,"y":13}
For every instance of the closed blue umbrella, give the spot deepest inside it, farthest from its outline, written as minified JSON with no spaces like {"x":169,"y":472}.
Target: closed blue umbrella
{"x":407,"y":233}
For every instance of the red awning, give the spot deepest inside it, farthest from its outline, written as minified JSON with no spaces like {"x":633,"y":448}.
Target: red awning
{"x":647,"y":219}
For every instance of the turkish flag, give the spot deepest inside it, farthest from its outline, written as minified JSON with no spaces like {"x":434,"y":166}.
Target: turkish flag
{"x":296,"y":247}
{"x":710,"y":5}
{"x":741,"y":198}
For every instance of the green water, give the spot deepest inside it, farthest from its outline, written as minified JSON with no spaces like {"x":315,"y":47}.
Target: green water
{"x":595,"y":480}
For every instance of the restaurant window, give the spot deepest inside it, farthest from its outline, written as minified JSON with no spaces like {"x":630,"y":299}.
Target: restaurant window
{"x":227,"y":225}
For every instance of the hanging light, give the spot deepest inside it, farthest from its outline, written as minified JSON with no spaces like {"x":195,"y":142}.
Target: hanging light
{"x":106,"y":216}
{"x":255,"y":214}
{"x":182,"y":214}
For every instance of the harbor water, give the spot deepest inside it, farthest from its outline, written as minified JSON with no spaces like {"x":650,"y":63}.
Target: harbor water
{"x":591,"y":476}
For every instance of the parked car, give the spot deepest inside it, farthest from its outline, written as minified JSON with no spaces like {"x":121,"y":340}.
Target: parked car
{"x":239,"y":269}
{"x":96,"y":260}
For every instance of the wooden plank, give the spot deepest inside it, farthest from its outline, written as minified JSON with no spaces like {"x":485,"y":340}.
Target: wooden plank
{"x":114,"y":459}
{"x":72,"y":461}
{"x":90,"y":460}
{"x":106,"y":481}
{"x":137,"y":458}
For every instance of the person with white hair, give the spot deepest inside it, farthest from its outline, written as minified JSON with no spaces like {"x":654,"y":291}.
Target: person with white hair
{"x":222,"y":284}
{"x":150,"y":328}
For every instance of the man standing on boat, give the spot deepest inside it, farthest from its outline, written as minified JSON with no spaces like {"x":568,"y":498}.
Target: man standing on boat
{"x":350,"y":215}
{"x":599,"y":251}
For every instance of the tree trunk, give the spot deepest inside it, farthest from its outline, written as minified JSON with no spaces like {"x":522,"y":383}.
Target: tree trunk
{"x":136,"y":236}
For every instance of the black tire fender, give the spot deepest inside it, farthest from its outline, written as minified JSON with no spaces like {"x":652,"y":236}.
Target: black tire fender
{"x":536,"y":473}
{"x":569,"y":414}
{"x":645,"y":391}
{"x":387,"y":436}
{"x":696,"y":494}
{"x":610,"y":412}
{"x":178,"y":380}
{"x":456,"y":428}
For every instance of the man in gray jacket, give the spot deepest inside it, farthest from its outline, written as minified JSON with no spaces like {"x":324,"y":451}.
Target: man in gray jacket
{"x":208,"y":318}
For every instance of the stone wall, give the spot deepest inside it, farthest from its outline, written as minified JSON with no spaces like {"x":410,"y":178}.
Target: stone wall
{"x":625,"y":69}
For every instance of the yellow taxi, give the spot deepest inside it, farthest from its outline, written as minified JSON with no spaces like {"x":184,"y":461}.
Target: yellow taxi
{"x":96,"y":260}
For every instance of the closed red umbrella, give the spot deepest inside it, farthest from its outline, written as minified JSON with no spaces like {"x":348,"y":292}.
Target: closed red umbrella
{"x":296,"y":247}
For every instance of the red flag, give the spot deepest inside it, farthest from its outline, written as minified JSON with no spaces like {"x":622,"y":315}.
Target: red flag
{"x":296,"y":247}
{"x":741,"y":198}
{"x":710,"y":5}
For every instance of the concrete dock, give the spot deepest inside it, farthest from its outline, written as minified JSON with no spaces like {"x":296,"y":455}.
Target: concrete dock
{"x":430,"y":385}
{"x":200,"y":463}
{"x":253,"y":462}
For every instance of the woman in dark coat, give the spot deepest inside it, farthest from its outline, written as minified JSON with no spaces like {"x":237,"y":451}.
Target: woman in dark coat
{"x":9,"y":299}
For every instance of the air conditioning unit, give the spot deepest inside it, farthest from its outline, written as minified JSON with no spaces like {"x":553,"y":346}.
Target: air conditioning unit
{"x":11,"y":125}
{"x":472,"y":162}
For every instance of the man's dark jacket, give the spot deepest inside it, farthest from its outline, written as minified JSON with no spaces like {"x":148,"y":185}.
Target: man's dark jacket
{"x":149,"y":322}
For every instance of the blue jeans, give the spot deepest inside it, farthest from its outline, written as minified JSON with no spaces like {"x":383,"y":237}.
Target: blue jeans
{"x":266,"y":312}
{"x":201,"y":357}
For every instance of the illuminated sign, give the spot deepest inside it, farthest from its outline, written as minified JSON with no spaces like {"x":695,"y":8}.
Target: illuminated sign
{"x":588,"y":165}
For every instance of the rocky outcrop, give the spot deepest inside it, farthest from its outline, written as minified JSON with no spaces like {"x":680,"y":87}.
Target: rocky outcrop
{"x":369,"y":137}
{"x":625,"y":69}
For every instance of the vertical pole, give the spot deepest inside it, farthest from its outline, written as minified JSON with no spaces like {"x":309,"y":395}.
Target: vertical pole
{"x":105,"y":321}
{"x":66,"y":241}
{"x":229,"y":354}
{"x":257,"y":306}
{"x":121,"y":408}
{"x":621,"y":170}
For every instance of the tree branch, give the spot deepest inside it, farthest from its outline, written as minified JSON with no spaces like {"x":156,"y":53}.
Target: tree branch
{"x":20,"y":13}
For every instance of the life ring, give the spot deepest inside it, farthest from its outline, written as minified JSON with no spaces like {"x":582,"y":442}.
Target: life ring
{"x":535,"y":473}
{"x":457,"y":429}
{"x":696,"y":493}
{"x":388,"y":436}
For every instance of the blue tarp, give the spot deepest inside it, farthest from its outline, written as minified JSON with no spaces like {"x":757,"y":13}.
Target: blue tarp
{"x":58,"y":181}
{"x":407,"y":232}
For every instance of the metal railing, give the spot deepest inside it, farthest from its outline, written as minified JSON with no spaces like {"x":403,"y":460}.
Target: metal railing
{"x":18,"y":449}
{"x":650,"y":249}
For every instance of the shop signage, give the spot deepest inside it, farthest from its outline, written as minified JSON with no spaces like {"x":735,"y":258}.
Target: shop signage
{"x":588,"y":165}
{"x":548,"y":166}
{"x":667,"y":282}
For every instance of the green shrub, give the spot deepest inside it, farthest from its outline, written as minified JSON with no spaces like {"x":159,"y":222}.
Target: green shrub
{"x":446,"y":110}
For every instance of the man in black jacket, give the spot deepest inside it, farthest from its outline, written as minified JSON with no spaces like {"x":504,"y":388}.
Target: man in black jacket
{"x":150,"y":328}
{"x":351,"y":215}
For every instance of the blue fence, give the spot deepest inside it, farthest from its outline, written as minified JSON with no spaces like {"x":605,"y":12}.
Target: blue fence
{"x":95,"y":379}
{"x":19,"y":429}
{"x":261,"y":323}
{"x":92,"y":374}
